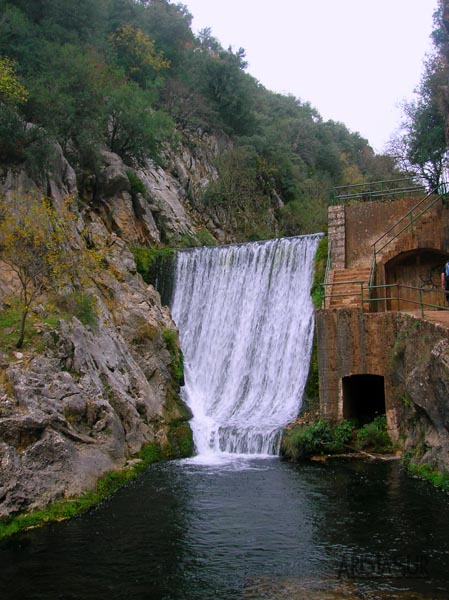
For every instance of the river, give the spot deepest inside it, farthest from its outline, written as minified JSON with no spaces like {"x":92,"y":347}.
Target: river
{"x":243,"y":528}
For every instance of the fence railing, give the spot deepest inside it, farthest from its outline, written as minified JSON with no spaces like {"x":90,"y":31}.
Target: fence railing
{"x":406,"y":222}
{"x":365,"y":296}
{"x":378,"y":190}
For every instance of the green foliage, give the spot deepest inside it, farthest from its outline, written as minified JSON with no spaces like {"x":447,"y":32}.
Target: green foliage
{"x":181,"y":439}
{"x":319,"y":271}
{"x":202,"y":237}
{"x":424,"y":471}
{"x":137,"y":54}
{"x":149,"y":261}
{"x":124,"y":73}
{"x":20,"y":144}
{"x":205,"y":238}
{"x":137,"y":185}
{"x":135,"y":130}
{"x":177,"y":360}
{"x":79,"y":304}
{"x":12,"y":92}
{"x":374,"y":436}
{"x":303,"y":441}
{"x":341,"y":436}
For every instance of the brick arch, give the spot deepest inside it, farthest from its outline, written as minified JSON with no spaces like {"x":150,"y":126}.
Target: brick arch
{"x":418,"y":267}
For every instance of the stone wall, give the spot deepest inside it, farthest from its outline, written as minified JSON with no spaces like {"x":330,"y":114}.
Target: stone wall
{"x":336,"y":233}
{"x":355,"y":227}
{"x":413,"y":357}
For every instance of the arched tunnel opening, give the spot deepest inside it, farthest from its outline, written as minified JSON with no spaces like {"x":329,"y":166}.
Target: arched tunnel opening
{"x":363,"y":397}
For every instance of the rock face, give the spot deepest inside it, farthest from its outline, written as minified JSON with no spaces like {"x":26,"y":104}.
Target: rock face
{"x":164,"y":207}
{"x":88,"y":396}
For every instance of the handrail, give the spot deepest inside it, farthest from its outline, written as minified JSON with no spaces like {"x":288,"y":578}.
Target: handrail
{"x":380,"y":193}
{"x":365,"y":183}
{"x":398,"y":298}
{"x":376,"y":190}
{"x":432,"y":193}
{"x":436,"y":194}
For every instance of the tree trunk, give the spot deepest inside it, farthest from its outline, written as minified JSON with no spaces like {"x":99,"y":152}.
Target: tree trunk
{"x":22,"y":327}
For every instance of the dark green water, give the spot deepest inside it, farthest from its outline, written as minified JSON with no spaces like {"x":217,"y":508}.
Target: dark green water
{"x":246,"y":529}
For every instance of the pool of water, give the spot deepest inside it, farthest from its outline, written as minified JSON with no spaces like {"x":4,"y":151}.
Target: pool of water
{"x":243,"y":529}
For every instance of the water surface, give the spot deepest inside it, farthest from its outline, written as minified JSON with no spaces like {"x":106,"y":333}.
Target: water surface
{"x":242,"y":529}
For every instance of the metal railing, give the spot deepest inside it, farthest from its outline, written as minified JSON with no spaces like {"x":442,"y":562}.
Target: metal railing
{"x":363,"y":287}
{"x":407,"y":221}
{"x":377,"y":190}
{"x":365,"y":296}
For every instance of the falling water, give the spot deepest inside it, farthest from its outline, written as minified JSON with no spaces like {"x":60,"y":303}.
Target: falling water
{"x":245,"y":319}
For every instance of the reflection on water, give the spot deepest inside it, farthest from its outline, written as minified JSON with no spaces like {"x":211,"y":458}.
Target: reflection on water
{"x":244,"y":529}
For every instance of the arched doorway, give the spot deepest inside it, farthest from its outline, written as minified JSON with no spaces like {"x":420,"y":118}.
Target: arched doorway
{"x":420,"y":268}
{"x":363,"y":397}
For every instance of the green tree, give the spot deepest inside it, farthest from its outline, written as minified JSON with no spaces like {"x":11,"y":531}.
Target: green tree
{"x":234,"y":191}
{"x":137,"y":54}
{"x":67,"y":97}
{"x":135,"y":130}
{"x":32,"y":246}
{"x":12,"y":92}
{"x":420,"y":147}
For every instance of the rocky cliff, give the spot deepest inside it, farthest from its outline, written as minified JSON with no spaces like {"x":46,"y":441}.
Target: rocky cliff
{"x":82,"y":398}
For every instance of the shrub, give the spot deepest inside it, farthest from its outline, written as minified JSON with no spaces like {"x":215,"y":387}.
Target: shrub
{"x":374,"y":436}
{"x":306,"y":440}
{"x":150,"y":261}
{"x":177,"y":360}
{"x":137,"y":185}
{"x":302,"y":441}
{"x":79,"y":304}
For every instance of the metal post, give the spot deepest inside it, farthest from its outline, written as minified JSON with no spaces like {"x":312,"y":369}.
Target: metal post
{"x":421,"y":303}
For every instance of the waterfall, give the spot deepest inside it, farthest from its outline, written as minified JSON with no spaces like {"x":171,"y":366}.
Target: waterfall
{"x":245,"y":319}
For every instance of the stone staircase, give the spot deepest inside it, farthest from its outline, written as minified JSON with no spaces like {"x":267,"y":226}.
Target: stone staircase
{"x":343,"y":292}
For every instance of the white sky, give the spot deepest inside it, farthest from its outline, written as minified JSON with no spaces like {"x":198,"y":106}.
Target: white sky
{"x":355,"y":61}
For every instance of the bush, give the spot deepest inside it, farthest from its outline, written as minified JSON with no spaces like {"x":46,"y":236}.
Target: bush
{"x":150,"y":261}
{"x":303,"y":441}
{"x":374,"y":436}
{"x":177,"y":360}
{"x":137,"y":185}
{"x":79,"y":304}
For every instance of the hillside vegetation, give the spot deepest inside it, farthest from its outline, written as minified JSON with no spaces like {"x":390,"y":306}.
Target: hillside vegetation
{"x":131,"y":77}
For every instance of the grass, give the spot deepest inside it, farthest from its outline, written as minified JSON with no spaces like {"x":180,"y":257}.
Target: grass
{"x":107,"y":485}
{"x":77,"y":303}
{"x":424,"y":471}
{"x":35,"y":324}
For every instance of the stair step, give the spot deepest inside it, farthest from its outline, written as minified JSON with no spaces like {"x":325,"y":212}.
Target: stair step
{"x":347,"y":285}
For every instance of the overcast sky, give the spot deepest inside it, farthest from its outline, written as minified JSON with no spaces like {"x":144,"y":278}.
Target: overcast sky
{"x":353,"y":60}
